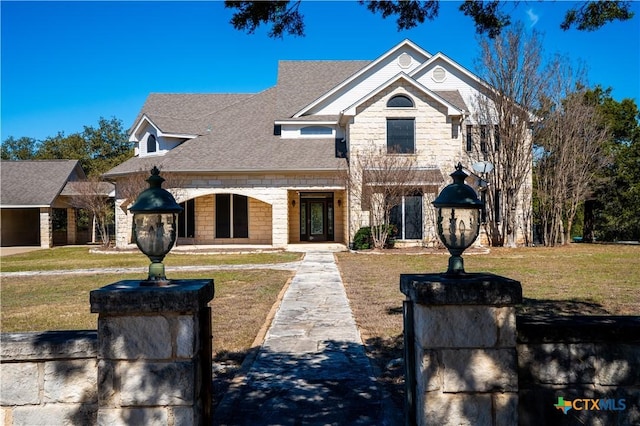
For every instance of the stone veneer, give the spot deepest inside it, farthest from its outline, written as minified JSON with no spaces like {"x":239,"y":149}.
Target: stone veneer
{"x":460,"y":349}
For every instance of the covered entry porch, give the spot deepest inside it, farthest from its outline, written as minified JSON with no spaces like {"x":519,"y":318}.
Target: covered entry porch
{"x":317,"y":216}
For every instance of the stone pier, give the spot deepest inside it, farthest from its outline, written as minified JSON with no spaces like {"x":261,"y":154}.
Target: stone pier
{"x":460,"y":349}
{"x":154,"y":353}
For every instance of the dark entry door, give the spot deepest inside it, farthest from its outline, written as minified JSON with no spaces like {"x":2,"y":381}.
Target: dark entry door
{"x":316,"y":218}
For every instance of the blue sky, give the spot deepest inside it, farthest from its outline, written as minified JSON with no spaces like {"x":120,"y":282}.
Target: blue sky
{"x":65,"y":64}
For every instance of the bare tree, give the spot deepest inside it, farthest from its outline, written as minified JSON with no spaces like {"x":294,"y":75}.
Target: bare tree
{"x":378,"y":180}
{"x":510,"y":65}
{"x":570,"y":151}
{"x":93,"y":196}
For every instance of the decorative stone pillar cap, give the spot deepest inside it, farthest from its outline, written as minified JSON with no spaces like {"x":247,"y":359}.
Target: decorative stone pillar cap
{"x":474,"y":289}
{"x":127,"y":296}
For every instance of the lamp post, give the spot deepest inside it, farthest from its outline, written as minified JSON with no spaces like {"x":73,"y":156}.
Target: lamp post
{"x":154,"y":226}
{"x":458,"y":219}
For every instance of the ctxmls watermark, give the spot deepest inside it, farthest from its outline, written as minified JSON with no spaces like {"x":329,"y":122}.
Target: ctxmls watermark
{"x":589,"y":404}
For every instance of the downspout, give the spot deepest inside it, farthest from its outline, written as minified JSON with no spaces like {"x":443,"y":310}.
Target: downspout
{"x":348,"y":190}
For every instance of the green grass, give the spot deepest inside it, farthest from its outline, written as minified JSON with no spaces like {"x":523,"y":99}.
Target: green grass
{"x":240,"y":306}
{"x":81,"y":257}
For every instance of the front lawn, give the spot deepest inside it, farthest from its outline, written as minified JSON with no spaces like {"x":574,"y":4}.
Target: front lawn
{"x":576,"y":279}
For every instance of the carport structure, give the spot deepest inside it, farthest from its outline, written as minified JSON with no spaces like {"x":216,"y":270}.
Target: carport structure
{"x":30,"y":191}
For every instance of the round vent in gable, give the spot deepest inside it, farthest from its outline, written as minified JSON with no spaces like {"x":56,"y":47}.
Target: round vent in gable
{"x":404,"y":60}
{"x":439,"y":74}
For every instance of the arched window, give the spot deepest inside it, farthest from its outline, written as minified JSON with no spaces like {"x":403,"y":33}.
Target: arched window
{"x":151,"y":143}
{"x":400,"y":101}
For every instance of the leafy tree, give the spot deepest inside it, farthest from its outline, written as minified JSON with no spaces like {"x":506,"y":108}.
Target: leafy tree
{"x":19,"y":149}
{"x":108,"y":145}
{"x":488,"y":16}
{"x":97,"y":148}
{"x":616,"y":210}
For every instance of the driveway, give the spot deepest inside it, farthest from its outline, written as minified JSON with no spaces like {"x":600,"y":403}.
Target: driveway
{"x":8,"y":251}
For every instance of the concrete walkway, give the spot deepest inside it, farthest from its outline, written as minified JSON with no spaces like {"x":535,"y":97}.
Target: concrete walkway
{"x":311,"y":368}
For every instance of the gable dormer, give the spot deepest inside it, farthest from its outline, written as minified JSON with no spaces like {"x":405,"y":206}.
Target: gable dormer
{"x":150,"y":140}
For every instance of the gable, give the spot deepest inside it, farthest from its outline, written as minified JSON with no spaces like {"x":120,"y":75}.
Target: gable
{"x":403,"y":58}
{"x":404,"y":80}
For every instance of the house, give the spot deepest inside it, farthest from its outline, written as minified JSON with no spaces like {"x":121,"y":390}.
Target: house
{"x":269,"y":168}
{"x":36,"y":203}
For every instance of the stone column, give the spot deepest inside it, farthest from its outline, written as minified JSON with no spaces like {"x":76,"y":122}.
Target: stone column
{"x":46,"y":228}
{"x":280,"y":220}
{"x":460,"y":349}
{"x":154,"y":353}
{"x":72,"y":234}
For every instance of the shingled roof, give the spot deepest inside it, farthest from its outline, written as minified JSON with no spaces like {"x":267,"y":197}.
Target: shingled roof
{"x":36,"y":183}
{"x":235,"y":131}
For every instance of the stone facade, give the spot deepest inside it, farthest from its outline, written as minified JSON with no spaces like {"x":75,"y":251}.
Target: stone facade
{"x":437,"y":146}
{"x":271,"y":211}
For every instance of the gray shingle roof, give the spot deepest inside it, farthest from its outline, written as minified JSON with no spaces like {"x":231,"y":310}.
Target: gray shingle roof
{"x":241,"y":139}
{"x":302,"y":82}
{"x":35,"y":183}
{"x":186,"y":113}
{"x":72,"y":189}
{"x":236,"y":130}
{"x":453,"y":97}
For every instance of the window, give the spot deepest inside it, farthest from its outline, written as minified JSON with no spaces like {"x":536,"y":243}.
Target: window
{"x":496,"y":136}
{"x":316,"y":130}
{"x":232,"y":216}
{"x":407,"y":217}
{"x":151,"y":143}
{"x":483,"y":138}
{"x":469,"y":138}
{"x":187,"y":219}
{"x":454,"y":129}
{"x":400,"y":101}
{"x":400,"y":136}
{"x":497,"y":205}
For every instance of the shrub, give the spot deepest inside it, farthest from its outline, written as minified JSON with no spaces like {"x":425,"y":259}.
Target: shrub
{"x":363,"y":240}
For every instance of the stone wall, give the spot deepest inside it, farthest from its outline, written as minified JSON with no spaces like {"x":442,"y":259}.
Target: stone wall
{"x":470,"y":361}
{"x":579,"y":358}
{"x":48,"y":378}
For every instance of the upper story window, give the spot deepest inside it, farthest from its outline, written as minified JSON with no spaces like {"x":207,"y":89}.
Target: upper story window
{"x":469,"y":135}
{"x":400,"y":101}
{"x":401,"y":136}
{"x":151,"y":144}
{"x":316,"y":131}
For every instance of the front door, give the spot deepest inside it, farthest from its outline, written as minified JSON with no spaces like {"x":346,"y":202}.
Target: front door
{"x":316,"y":217}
